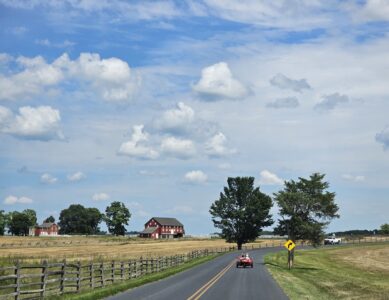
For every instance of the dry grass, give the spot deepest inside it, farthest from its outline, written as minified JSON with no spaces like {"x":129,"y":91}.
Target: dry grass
{"x":92,"y":248}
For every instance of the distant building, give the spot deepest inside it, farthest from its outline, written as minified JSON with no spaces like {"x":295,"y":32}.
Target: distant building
{"x":163,"y":228}
{"x":45,"y":229}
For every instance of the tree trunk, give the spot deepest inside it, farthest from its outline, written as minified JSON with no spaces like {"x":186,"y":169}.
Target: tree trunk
{"x":239,"y":246}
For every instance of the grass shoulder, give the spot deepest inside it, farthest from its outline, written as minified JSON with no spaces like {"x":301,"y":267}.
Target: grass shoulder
{"x":345,"y":272}
{"x":133,"y":283}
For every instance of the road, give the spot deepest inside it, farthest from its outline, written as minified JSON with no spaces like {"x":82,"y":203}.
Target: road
{"x":217,"y":279}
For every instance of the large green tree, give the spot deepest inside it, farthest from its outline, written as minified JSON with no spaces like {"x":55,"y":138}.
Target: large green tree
{"x":384,"y":228}
{"x":19,"y":222}
{"x":76,"y":219}
{"x":116,"y":216}
{"x":241,"y":211}
{"x":306,"y":208}
{"x":50,"y":219}
{"x":3,"y":222}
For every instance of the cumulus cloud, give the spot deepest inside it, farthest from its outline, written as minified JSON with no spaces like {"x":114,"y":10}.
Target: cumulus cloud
{"x":15,"y":200}
{"x":283,"y":82}
{"x":355,"y":178}
{"x":111,"y":79}
{"x":383,"y":137}
{"x":48,"y":43}
{"x":178,"y":148}
{"x":217,"y":82}
{"x":216,"y":146}
{"x":76,"y":176}
{"x":137,"y":147}
{"x":371,"y":10}
{"x":268,"y":178}
{"x":196,"y":176}
{"x":40,"y":123}
{"x":329,"y":102}
{"x":289,"y":102}
{"x":100,"y":197}
{"x":176,"y":120}
{"x":48,"y":178}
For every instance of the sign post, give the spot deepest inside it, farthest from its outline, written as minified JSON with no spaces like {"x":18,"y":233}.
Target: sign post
{"x":289,"y":245}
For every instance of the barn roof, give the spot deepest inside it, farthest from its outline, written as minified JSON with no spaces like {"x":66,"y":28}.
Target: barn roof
{"x":149,"y":230}
{"x":168,"y":221}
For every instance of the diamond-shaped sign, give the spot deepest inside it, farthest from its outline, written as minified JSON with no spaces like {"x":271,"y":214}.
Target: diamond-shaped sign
{"x":290,"y":245}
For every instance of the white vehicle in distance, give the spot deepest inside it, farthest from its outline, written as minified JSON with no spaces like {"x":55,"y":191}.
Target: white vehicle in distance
{"x":332,"y":240}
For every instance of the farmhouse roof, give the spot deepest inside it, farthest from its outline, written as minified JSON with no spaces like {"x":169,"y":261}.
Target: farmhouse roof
{"x":149,"y":230}
{"x":168,"y":221}
{"x":46,"y":225}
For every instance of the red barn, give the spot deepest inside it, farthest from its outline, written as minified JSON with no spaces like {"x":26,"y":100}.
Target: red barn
{"x":45,"y":229}
{"x":163,"y":228}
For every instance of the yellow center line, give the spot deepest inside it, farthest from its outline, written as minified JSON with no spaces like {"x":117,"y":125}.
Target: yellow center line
{"x":210,"y":283}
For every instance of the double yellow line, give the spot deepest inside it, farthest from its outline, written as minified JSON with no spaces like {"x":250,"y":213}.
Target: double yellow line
{"x":210,"y":283}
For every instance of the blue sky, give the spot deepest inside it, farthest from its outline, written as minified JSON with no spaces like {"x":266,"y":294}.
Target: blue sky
{"x":156,"y":103}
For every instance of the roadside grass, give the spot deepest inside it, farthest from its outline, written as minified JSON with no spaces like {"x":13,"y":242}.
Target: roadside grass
{"x":133,"y":283}
{"x":333,"y":273}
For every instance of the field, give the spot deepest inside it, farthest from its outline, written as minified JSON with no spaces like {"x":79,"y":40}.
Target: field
{"x":358,"y":272}
{"x":104,"y":248}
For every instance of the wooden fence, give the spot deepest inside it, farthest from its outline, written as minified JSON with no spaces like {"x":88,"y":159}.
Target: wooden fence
{"x":23,"y":281}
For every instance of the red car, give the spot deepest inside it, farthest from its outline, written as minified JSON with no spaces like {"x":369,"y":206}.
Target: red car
{"x":244,"y":261}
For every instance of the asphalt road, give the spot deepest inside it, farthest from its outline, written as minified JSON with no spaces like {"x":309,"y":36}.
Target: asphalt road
{"x":217,"y":279}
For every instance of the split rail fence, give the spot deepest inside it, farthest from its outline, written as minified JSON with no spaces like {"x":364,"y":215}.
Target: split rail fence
{"x":22,"y":281}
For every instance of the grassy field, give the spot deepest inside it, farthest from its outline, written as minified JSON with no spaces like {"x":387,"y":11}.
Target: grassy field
{"x":103,"y":248}
{"x":349,"y":272}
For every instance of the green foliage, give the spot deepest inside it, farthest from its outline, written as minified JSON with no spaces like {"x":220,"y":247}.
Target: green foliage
{"x":3,"y":222}
{"x":241,"y":211}
{"x":19,"y":222}
{"x":384,"y":229}
{"x":79,"y":220}
{"x":116,"y":216}
{"x":306,"y":207}
{"x":50,"y":219}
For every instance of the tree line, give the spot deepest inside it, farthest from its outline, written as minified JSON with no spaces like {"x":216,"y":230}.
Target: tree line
{"x":76,"y":219}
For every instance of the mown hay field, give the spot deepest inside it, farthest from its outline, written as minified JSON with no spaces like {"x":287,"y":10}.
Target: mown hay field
{"x":346,"y":272}
{"x":105,"y":248}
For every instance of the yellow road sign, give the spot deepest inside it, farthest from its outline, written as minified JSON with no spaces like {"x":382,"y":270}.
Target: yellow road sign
{"x":290,"y":245}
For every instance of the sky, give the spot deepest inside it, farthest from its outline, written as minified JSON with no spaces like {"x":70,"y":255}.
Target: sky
{"x":156,"y":103}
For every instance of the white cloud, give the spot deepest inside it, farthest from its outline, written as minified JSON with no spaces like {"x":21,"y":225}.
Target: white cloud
{"x":15,"y":200}
{"x":224,"y":166}
{"x":217,"y":83}
{"x":372,"y":10}
{"x":110,"y":79}
{"x":196,"y":177}
{"x":181,"y":209}
{"x":176,"y":120}
{"x":100,"y":197}
{"x":36,"y":77}
{"x":283,"y":82}
{"x":48,"y":178}
{"x":48,"y":43}
{"x":383,"y":137}
{"x":178,"y":148}
{"x":40,"y":123}
{"x":288,"y":102}
{"x":356,"y":178}
{"x":136,"y":147}
{"x":329,"y":102}
{"x":76,"y":176}
{"x":215,"y":147}
{"x":152,"y":173}
{"x":268,"y":178}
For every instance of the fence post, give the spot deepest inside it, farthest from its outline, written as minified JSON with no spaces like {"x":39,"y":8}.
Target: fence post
{"x":121,"y":270}
{"x":17,"y":280}
{"x":62,"y":280}
{"x":91,"y":274}
{"x":113,"y":271}
{"x":102,"y":274}
{"x":78,"y":276}
{"x":43,"y":278}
